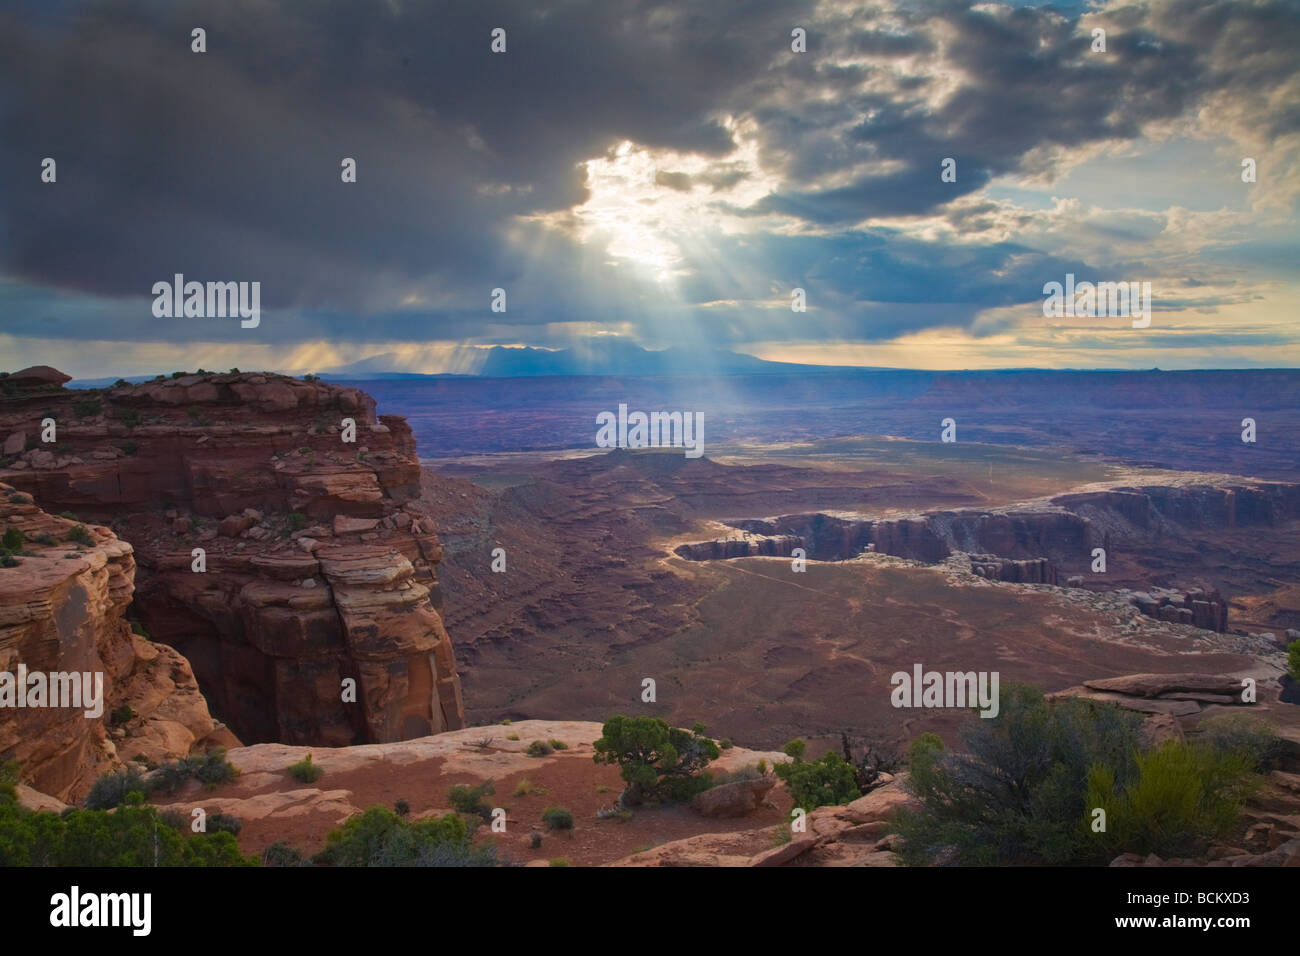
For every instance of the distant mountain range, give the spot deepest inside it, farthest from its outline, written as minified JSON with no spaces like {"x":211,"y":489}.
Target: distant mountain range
{"x":598,"y":357}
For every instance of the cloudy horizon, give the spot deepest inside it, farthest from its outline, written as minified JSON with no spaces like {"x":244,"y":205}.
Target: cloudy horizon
{"x":667,"y":174}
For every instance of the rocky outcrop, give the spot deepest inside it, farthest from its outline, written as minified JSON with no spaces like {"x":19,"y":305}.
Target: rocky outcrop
{"x":1028,"y":571}
{"x":734,"y":799}
{"x":62,"y":605}
{"x":312,"y":614}
{"x":1172,"y":695}
{"x":1199,"y":607}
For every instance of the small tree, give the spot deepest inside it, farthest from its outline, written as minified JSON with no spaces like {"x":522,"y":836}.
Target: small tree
{"x":1293,"y":660}
{"x":658,"y":762}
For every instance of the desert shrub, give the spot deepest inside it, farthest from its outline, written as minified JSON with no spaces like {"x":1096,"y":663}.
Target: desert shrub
{"x":1293,"y":660}
{"x":379,"y":837}
{"x":138,"y":628}
{"x":209,"y":769}
{"x":175,"y":819}
{"x":18,"y":498}
{"x":121,"y":383}
{"x":557,"y":744}
{"x":281,"y":854}
{"x":178,"y":374}
{"x":224,"y":823}
{"x":557,"y":818}
{"x":870,"y":757}
{"x":81,"y":535}
{"x":13,"y":539}
{"x":658,"y":762}
{"x":540,"y":748}
{"x":9,"y":561}
{"x":526,"y":788}
{"x":1184,"y":796}
{"x":467,"y":799}
{"x":304,"y":771}
{"x":297,"y":520}
{"x":795,"y":749}
{"x":115,"y":789}
{"x":725,"y":744}
{"x":129,"y":448}
{"x":87,"y":408}
{"x":512,"y":736}
{"x":44,"y":538}
{"x":1019,"y":793}
{"x":234,"y":371}
{"x":559,"y":861}
{"x":130,"y":417}
{"x":1244,"y":735}
{"x":402,"y":808}
{"x":122,"y":714}
{"x":826,"y":782}
{"x":68,"y":515}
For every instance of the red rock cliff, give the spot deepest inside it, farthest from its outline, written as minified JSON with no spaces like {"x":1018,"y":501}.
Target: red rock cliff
{"x":316,"y":574}
{"x":62,"y":599}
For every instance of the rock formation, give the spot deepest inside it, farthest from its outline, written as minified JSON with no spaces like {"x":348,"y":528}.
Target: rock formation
{"x":314,"y":577}
{"x":62,"y":606}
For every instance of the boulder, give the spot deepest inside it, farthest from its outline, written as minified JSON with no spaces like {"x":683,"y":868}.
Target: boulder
{"x":733,"y":799}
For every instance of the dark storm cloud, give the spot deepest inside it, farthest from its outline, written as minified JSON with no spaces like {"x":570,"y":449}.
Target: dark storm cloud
{"x":225,"y":165}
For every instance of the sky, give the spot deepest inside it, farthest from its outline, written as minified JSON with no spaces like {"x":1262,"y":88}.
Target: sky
{"x":667,"y":173}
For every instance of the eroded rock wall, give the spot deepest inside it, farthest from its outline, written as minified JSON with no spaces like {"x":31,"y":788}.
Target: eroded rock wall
{"x":315,"y":573}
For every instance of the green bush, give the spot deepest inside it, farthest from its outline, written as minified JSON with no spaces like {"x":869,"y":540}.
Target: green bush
{"x":115,"y":789}
{"x":796,"y":749}
{"x":557,"y":744}
{"x":380,"y":837}
{"x":1293,"y":660}
{"x":658,"y":762}
{"x":86,"y":409}
{"x":81,"y":535}
{"x":540,"y":748}
{"x":1245,"y":735}
{"x":9,"y":561}
{"x":281,"y":854}
{"x":13,"y":539}
{"x":130,"y":417}
{"x":467,"y":799}
{"x":402,"y":808}
{"x":1019,"y":794}
{"x":304,"y":771}
{"x":557,"y":818}
{"x":129,"y":836}
{"x":822,"y":783}
{"x":122,"y":714}
{"x":224,"y":823}
{"x":1185,"y":795}
{"x":210,"y":769}
{"x":297,"y":520}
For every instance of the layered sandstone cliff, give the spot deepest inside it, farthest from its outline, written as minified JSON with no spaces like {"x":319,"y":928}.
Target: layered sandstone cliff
{"x":62,"y":603}
{"x":312,"y":614}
